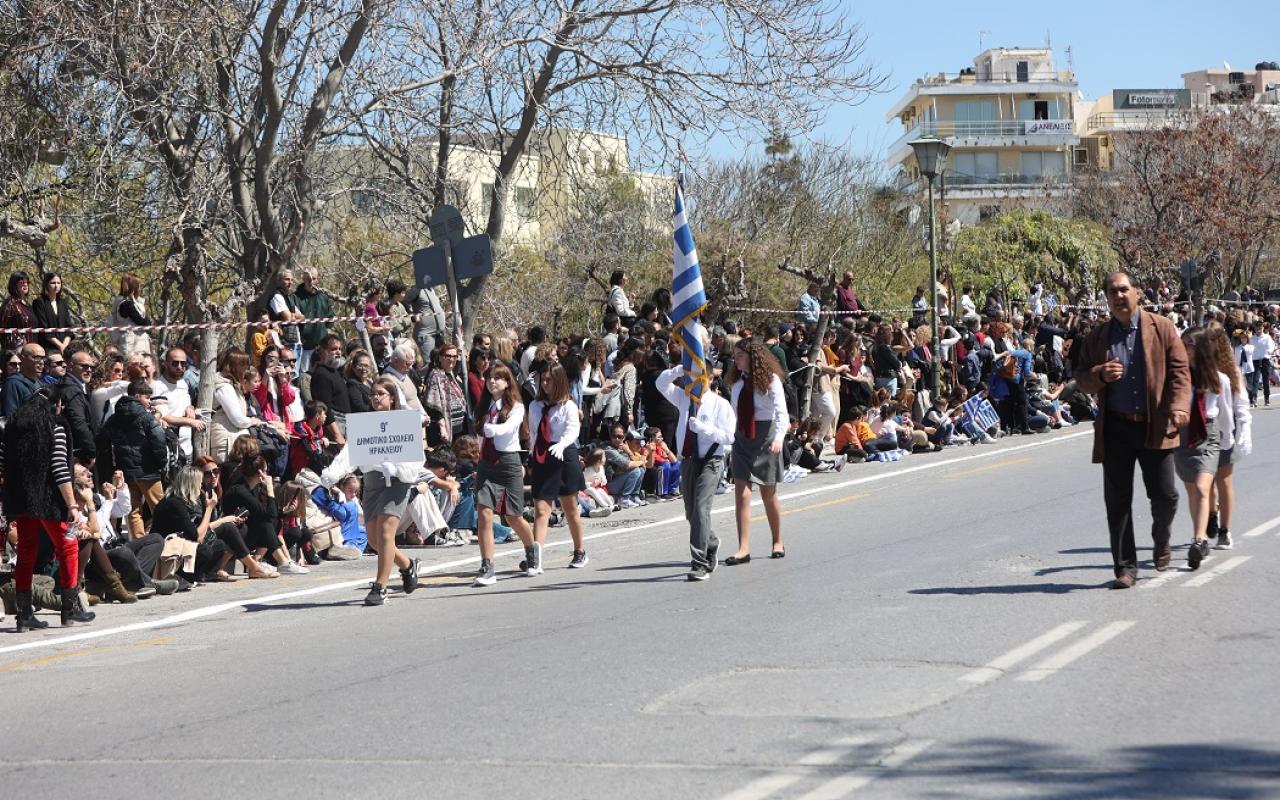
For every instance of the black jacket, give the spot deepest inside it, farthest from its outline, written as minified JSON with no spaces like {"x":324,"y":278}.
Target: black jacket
{"x":46,"y":317}
{"x":329,"y":387}
{"x":137,"y":439}
{"x":75,"y":410}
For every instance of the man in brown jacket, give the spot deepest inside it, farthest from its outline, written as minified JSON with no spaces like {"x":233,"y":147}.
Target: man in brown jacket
{"x":1136,"y":365}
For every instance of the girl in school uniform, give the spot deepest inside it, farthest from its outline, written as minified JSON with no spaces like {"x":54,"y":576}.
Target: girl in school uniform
{"x":1197,"y":455}
{"x":556,"y":469}
{"x":500,"y":472}
{"x":762,"y":425}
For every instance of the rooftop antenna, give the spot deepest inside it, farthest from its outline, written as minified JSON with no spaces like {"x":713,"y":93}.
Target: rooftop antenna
{"x":1048,"y":40}
{"x":1071,"y":59}
{"x":982,"y":35}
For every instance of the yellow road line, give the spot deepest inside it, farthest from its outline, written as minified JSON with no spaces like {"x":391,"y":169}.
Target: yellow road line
{"x":49,"y":659}
{"x":988,"y":467}
{"x":825,"y":504}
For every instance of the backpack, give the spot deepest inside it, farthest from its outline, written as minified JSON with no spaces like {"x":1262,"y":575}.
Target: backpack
{"x":274,"y":447}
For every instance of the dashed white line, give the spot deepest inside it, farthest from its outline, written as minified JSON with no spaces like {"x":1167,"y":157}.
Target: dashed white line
{"x":1263,"y":528}
{"x":775,"y":782}
{"x":1221,"y":569}
{"x":842,"y":786}
{"x":1017,"y":655}
{"x":1161,"y":578}
{"x":1067,"y":655}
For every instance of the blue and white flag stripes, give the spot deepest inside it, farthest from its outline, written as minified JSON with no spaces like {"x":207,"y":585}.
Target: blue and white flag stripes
{"x":688,"y":301}
{"x":981,"y":413}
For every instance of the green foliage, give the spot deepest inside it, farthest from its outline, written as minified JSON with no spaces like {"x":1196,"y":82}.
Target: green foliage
{"x":1020,"y":248}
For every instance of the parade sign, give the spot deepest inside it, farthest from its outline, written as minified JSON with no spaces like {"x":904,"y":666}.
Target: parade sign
{"x":384,"y":437}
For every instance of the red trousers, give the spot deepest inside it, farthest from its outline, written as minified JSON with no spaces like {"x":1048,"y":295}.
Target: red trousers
{"x":67,"y":550}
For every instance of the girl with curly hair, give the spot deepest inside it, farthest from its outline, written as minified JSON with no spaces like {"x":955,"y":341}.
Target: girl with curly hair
{"x":761,"y":407}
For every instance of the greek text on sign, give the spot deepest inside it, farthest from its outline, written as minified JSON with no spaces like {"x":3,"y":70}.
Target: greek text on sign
{"x":1051,"y":126}
{"x":384,"y":437}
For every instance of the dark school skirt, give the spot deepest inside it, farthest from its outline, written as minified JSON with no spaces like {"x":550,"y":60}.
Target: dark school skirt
{"x":500,"y":486}
{"x":554,"y":478}
{"x":752,"y":461}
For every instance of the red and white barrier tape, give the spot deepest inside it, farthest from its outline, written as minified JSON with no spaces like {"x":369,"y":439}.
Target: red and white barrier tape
{"x":180,"y":326}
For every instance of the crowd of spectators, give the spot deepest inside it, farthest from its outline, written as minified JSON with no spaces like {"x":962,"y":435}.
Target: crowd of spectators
{"x":160,"y":518}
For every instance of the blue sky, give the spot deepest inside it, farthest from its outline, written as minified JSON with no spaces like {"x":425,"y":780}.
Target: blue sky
{"x":1114,"y":45}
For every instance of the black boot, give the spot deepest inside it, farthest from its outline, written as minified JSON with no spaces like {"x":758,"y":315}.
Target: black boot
{"x":72,"y":611}
{"x":26,"y":616}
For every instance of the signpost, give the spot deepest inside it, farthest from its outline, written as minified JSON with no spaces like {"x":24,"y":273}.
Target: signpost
{"x":451,"y":258}
{"x":384,"y":437}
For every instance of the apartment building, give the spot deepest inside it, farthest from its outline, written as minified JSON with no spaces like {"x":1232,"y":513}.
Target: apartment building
{"x":1011,"y":121}
{"x":1135,"y":110}
{"x":557,"y":165}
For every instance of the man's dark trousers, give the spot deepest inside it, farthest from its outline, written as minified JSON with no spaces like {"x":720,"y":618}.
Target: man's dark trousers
{"x":1124,"y":443}
{"x":699,"y":478}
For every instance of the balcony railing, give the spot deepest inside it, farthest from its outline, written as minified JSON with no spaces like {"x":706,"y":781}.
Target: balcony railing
{"x":952,"y":180}
{"x":1134,"y":120}
{"x":1033,"y":76}
{"x":978,"y":128}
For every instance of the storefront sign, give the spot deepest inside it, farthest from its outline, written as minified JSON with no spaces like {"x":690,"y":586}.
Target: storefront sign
{"x":1055,"y":126}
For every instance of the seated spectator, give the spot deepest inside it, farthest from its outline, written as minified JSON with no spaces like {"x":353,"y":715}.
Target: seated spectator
{"x":594,"y":501}
{"x":665,"y":462}
{"x":293,"y":529}
{"x":307,"y":443}
{"x":359,"y":376}
{"x":191,"y":509}
{"x":342,"y":505}
{"x":252,"y":491}
{"x":277,"y":400}
{"x":100,"y":575}
{"x":848,"y":444}
{"x":625,"y":472}
{"x":808,"y":455}
{"x":466,"y":452}
{"x":936,"y":424}
{"x":139,"y":450}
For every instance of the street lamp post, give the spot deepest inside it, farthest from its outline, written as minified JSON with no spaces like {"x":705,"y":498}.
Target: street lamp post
{"x":931,"y":158}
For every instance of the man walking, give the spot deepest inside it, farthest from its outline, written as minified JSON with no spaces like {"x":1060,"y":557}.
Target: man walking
{"x":1137,"y":367}
{"x":704,"y":429}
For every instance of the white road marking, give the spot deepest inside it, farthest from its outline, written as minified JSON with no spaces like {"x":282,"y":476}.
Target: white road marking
{"x":842,"y":786}
{"x":1263,"y":528}
{"x":1161,"y":578}
{"x":1223,"y":568}
{"x":207,"y":611}
{"x":1067,"y":655}
{"x":1017,"y":655}
{"x":775,"y":782}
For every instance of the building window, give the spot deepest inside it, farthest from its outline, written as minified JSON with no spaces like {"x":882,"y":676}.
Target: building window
{"x":974,"y":167}
{"x":1039,"y":109}
{"x":1024,"y":72}
{"x":524,"y":202}
{"x":1082,"y":156}
{"x":973,"y":117}
{"x":1043,"y":165}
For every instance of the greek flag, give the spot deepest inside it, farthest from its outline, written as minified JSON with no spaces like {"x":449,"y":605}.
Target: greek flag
{"x":981,"y":413}
{"x":688,"y":301}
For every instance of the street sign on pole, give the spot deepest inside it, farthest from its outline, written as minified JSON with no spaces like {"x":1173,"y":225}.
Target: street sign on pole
{"x":472,"y":258}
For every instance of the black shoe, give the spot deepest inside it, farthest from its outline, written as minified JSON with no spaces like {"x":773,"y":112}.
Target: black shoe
{"x":1211,"y":530}
{"x":184,"y":585}
{"x":1197,"y":552}
{"x":711,"y":557}
{"x":72,"y":611}
{"x":409,"y":576}
{"x":1224,"y":540}
{"x":311,"y":558}
{"x":779,"y":553}
{"x":377,"y":595}
{"x":26,"y":616}
{"x":698,"y":573}
{"x":733,"y":561}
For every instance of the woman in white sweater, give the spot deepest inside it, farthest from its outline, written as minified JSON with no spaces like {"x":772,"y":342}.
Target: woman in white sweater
{"x":231,"y":418}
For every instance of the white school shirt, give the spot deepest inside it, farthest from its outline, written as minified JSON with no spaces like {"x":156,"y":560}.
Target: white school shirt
{"x":1262,"y":346}
{"x":770,"y":406}
{"x":565,"y":424}
{"x":715,"y":415}
{"x":505,"y":435}
{"x":1235,"y":421}
{"x":1244,"y":358}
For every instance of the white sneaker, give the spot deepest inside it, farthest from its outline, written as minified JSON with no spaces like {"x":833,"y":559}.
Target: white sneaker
{"x":293,"y":568}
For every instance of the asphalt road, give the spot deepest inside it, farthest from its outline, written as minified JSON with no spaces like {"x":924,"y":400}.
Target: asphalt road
{"x":939,"y":628}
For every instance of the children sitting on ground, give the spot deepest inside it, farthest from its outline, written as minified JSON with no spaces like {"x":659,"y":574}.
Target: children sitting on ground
{"x":466,"y":452}
{"x":594,"y":501}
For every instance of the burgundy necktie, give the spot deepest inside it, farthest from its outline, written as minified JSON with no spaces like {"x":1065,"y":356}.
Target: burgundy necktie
{"x":690,"y":447}
{"x":488,"y":452}
{"x":747,"y":411}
